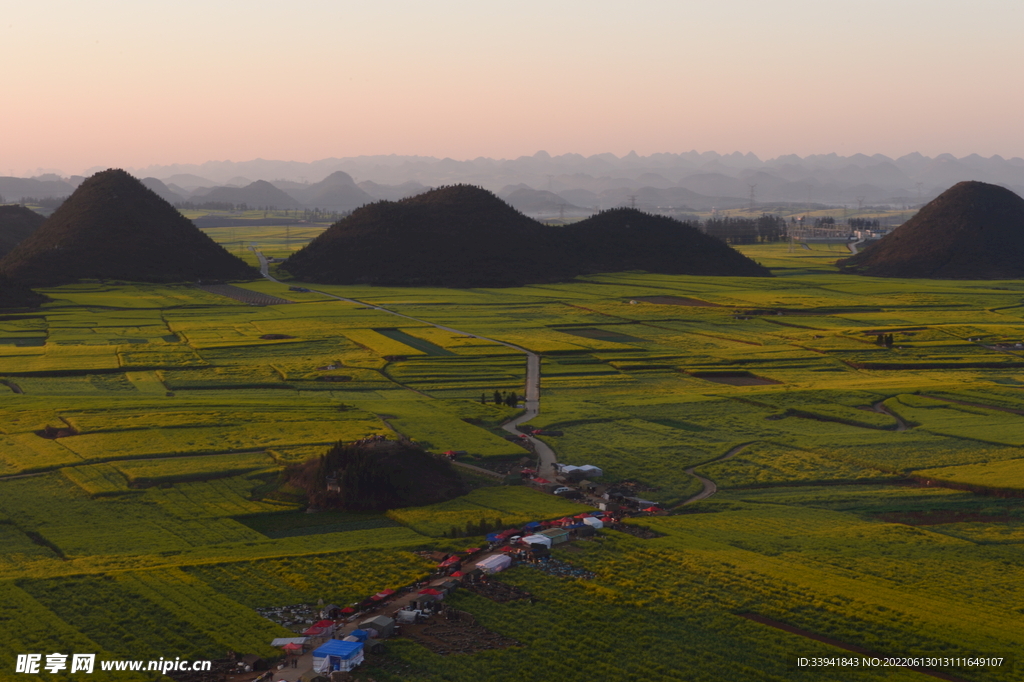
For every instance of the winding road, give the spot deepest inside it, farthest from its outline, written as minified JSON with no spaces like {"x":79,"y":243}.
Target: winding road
{"x":882,"y":409}
{"x":709,"y":486}
{"x":546,"y":456}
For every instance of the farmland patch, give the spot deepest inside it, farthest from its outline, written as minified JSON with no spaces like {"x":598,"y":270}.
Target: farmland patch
{"x":678,"y":300}
{"x":602,"y":334}
{"x":735,"y":378}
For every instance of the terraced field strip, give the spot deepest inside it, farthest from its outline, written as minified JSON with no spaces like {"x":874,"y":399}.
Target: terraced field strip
{"x":243,"y":295}
{"x":413,"y":342}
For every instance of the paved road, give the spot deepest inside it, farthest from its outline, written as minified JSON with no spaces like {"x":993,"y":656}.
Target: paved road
{"x":709,"y":486}
{"x":853,"y":246}
{"x":547,"y":457}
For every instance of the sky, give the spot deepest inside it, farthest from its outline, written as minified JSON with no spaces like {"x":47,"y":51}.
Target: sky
{"x":128,"y":83}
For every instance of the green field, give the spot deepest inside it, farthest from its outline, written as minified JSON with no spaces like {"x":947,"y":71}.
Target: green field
{"x":876,"y":501}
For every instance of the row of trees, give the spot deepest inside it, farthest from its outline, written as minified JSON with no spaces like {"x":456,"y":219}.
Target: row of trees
{"x":766,"y":228}
{"x":45,"y":202}
{"x":511,"y":398}
{"x":472,"y":529}
{"x":307,"y":214}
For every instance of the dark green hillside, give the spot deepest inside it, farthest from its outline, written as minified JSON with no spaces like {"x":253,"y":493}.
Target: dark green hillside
{"x":16,"y":223}
{"x":113,"y":227}
{"x":14,"y":295}
{"x":973,"y":230}
{"x":465,"y":236}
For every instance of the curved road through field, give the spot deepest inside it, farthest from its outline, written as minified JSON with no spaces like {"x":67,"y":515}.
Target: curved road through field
{"x":545,"y":455}
{"x":882,"y":409}
{"x":709,"y":486}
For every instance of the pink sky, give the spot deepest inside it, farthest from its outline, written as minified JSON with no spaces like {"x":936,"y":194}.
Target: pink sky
{"x":124,"y":83}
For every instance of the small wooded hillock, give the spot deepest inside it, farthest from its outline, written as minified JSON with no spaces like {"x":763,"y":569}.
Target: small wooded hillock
{"x":114,"y":227}
{"x":16,"y":223}
{"x":465,"y":236}
{"x":376,"y":475}
{"x":973,"y":230}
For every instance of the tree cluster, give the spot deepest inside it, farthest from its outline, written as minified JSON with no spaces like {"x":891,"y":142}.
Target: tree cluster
{"x":864,"y":224}
{"x":511,"y":398}
{"x":827,"y":221}
{"x":884,"y":340}
{"x":767,"y":228}
{"x":375,"y":475}
{"x":45,"y":202}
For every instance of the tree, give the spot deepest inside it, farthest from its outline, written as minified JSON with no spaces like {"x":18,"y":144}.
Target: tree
{"x":512,"y":400}
{"x":483,"y":398}
{"x":497,"y":398}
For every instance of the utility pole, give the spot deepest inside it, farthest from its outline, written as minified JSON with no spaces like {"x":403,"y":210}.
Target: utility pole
{"x":632,"y":201}
{"x":753,"y":195}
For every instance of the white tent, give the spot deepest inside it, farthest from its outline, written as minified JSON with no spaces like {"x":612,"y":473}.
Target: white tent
{"x":591,"y":471}
{"x":494,"y":563}
{"x":537,"y":539}
{"x":593,"y":521}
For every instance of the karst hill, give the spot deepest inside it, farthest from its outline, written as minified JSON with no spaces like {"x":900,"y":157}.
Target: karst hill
{"x":465,"y":236}
{"x":114,"y":227}
{"x":16,"y":223}
{"x":973,"y":230}
{"x":628,"y":239}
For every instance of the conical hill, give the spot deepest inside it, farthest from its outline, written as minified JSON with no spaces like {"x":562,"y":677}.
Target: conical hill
{"x":628,"y":239}
{"x":458,"y":236}
{"x":465,"y":236}
{"x":114,"y":227}
{"x":973,"y":230}
{"x":16,"y":223}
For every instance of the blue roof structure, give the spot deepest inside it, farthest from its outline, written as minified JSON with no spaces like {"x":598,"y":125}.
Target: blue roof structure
{"x":337,"y":647}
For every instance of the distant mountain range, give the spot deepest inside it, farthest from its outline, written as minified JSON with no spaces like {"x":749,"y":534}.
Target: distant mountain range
{"x":664,"y":183}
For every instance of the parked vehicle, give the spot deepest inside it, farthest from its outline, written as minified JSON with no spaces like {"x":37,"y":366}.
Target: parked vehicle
{"x":561,"y":491}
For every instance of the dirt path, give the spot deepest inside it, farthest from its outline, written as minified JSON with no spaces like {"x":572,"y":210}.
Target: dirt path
{"x":882,"y":409}
{"x":853,"y":245}
{"x":709,"y":486}
{"x":547,"y":457}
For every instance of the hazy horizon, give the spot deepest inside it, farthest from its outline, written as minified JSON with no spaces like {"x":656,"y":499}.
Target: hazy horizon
{"x":121,"y":84}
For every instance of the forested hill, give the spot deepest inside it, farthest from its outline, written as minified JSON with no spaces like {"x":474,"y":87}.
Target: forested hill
{"x":465,"y":236}
{"x":973,"y":230}
{"x":114,"y":227}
